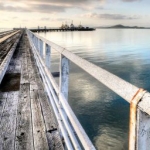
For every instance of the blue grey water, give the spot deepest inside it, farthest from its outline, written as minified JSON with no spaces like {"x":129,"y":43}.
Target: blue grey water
{"x":125,"y":53}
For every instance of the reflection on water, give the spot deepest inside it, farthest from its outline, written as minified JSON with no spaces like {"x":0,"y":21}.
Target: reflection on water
{"x":124,"y":52}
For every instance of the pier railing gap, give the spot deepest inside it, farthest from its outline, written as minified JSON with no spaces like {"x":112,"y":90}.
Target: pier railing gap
{"x":72,"y":131}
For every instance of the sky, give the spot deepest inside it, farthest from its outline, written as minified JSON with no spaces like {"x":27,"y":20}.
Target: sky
{"x":93,"y":13}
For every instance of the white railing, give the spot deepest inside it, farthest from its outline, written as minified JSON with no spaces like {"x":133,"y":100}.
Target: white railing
{"x":139,"y":134}
{"x":5,"y":63}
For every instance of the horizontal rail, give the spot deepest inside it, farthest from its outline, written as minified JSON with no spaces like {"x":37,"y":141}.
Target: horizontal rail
{"x":48,"y":80}
{"x":116,"y":84}
{"x":124,"y":89}
{"x":6,"y":32}
{"x":8,"y":36}
{"x":6,"y":61}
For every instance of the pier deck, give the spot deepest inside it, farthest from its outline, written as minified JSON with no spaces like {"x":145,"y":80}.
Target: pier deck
{"x":26,"y":119}
{"x":29,"y":94}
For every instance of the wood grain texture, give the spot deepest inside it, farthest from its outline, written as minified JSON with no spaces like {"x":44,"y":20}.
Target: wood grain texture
{"x":27,"y":121}
{"x":40,"y":140}
{"x":3,"y":99}
{"x":8,"y":122}
{"x":24,"y":132}
{"x":24,"y":136}
{"x":51,"y":125}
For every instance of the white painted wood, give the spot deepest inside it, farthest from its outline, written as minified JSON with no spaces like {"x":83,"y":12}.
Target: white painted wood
{"x":38,"y":46}
{"x":143,"y":131}
{"x":6,"y":61}
{"x":41,"y":47}
{"x":40,"y":105}
{"x":116,"y":84}
{"x":48,"y":56}
{"x":78,"y":128}
{"x":63,"y":130}
{"x":37,"y":43}
{"x":64,"y":76}
{"x":8,"y":36}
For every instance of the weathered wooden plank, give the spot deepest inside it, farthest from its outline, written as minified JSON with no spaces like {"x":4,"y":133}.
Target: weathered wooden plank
{"x":53,"y":136}
{"x":54,"y":140}
{"x":24,"y":67}
{"x":8,"y":36}
{"x":64,"y":76}
{"x":2,"y":106}
{"x":3,"y":99}
{"x":143,"y":131}
{"x":24,"y":71}
{"x":50,"y":120}
{"x":8,"y":122}
{"x":14,"y":66}
{"x":39,"y":134}
{"x":24,"y":136}
{"x":3,"y":95}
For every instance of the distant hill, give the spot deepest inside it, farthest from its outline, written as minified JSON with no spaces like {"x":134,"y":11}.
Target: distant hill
{"x":119,"y":26}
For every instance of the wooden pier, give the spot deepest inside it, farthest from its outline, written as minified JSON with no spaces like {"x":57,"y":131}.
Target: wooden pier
{"x":34,"y":111}
{"x":27,"y":121}
{"x":62,"y":30}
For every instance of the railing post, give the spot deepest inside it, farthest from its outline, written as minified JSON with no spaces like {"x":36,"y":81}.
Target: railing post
{"x":48,"y":55}
{"x":64,"y":76}
{"x":143,"y":131}
{"x":36,"y":43}
{"x":64,"y":79}
{"x":139,"y":135}
{"x":41,"y":47}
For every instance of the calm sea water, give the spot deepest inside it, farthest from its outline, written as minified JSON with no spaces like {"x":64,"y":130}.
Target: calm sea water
{"x":123,"y":52}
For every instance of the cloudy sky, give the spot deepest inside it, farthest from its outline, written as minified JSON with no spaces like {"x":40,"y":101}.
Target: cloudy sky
{"x":51,"y":13}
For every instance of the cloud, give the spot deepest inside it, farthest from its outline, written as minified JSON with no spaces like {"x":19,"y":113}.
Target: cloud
{"x":130,"y":0}
{"x":55,"y":19}
{"x":45,"y":19}
{"x":110,"y":16}
{"x":52,"y":6}
{"x":46,"y":6}
{"x":43,"y":8}
{"x":13,"y":8}
{"x":14,"y":17}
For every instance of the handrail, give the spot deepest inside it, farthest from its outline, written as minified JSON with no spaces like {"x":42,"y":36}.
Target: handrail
{"x":8,"y":36}
{"x":6,"y":61}
{"x":126,"y":90}
{"x":116,"y":84}
{"x":6,"y":32}
{"x":48,"y":80}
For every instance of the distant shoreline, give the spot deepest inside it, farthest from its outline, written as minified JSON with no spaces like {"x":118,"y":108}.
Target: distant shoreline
{"x":122,"y":27}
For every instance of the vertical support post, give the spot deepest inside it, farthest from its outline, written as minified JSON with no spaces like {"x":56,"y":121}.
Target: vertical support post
{"x":38,"y":46}
{"x":64,"y":76}
{"x":41,"y":47}
{"x":36,"y":42}
{"x":48,"y":55}
{"x":32,"y":38}
{"x":134,"y":121}
{"x":143,"y":130}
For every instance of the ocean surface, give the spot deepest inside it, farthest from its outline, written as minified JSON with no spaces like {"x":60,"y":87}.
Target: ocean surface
{"x":123,"y":52}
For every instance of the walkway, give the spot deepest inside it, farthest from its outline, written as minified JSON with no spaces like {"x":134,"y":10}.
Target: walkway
{"x":27,"y":121}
